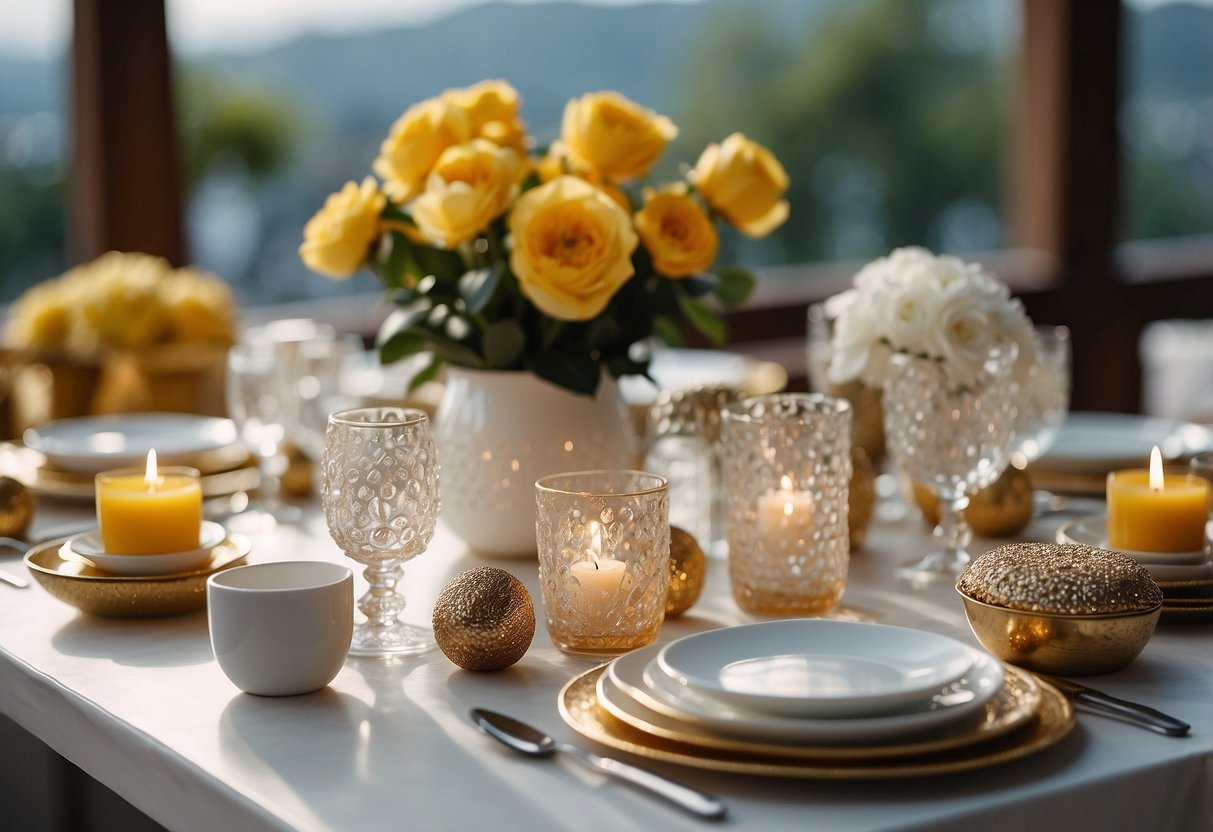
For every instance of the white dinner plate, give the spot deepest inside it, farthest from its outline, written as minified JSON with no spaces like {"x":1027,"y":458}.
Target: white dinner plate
{"x":88,"y":547}
{"x":808,"y":667}
{"x":633,"y":675}
{"x":1095,"y":443}
{"x":1093,"y":531}
{"x":90,"y":444}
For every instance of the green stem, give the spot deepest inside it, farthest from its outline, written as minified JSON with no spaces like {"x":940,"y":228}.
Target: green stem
{"x":551,"y":331}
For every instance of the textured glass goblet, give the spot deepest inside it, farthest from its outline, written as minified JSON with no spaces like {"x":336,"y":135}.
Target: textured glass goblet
{"x":952,"y":436}
{"x":1045,"y":399}
{"x":380,"y":495}
{"x":604,"y":558}
{"x":787,"y":469}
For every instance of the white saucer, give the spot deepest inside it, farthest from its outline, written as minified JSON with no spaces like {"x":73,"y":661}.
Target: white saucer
{"x":88,"y":547}
{"x":90,"y":444}
{"x":1093,"y":531}
{"x":816,"y":668}
{"x":632,"y":674}
{"x":1095,"y":443}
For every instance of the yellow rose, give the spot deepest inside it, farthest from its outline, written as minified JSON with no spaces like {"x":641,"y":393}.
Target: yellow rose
{"x":470,"y":185}
{"x":677,"y":233}
{"x":118,"y":301}
{"x":41,"y":317}
{"x":616,"y":138}
{"x":415,"y":142}
{"x":572,"y":248}
{"x":336,"y":239}
{"x":492,"y":112}
{"x":744,"y":181}
{"x":200,"y":307}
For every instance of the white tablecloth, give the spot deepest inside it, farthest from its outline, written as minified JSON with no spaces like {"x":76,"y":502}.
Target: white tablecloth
{"x":142,"y":706}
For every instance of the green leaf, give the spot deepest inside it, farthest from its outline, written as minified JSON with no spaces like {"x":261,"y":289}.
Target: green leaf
{"x":578,"y":373}
{"x":699,"y":286}
{"x":734,"y":285}
{"x":443,"y":264}
{"x":477,"y":287}
{"x":621,"y":365}
{"x":703,"y":319}
{"x":404,"y":343}
{"x":668,"y":330}
{"x":602,"y":331}
{"x":428,"y":374}
{"x":453,"y":351}
{"x":392,"y":212}
{"x":401,"y":320}
{"x":395,"y":259}
{"x":503,"y":344}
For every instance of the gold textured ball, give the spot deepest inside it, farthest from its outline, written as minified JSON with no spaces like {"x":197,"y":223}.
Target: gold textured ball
{"x":16,"y":507}
{"x":484,"y":619}
{"x":861,"y":496}
{"x":1001,"y":510}
{"x":688,"y":569}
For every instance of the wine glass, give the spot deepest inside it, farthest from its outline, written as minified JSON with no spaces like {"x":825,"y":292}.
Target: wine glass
{"x":317,"y":386}
{"x":255,"y":401}
{"x":953,"y":437}
{"x":1045,"y":397}
{"x":380,"y":495}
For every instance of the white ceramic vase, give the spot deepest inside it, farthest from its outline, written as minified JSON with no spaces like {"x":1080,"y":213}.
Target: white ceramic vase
{"x":498,"y":432}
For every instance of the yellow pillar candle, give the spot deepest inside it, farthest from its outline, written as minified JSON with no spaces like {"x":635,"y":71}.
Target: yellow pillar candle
{"x":149,"y":512}
{"x":1150,"y":512}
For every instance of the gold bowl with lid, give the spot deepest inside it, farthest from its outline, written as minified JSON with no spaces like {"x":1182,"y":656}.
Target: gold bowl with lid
{"x":1063,"y":609}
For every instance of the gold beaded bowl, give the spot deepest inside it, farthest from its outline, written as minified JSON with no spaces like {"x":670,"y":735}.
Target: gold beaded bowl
{"x":1066,"y":609}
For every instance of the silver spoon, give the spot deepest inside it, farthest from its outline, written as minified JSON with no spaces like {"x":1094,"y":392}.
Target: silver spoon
{"x":534,"y":743}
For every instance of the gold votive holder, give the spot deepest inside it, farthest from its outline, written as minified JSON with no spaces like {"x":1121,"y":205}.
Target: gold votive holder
{"x":604,"y":548}
{"x":787,"y":468}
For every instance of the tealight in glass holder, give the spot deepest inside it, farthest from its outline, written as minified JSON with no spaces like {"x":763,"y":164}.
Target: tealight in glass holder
{"x":787,"y":470}
{"x":604,"y":553}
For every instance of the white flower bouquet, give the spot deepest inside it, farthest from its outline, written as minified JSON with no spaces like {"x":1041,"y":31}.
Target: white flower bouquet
{"x":934,"y":307}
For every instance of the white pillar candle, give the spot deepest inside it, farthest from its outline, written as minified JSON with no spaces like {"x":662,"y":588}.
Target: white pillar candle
{"x":597,"y":578}
{"x":785,"y":518}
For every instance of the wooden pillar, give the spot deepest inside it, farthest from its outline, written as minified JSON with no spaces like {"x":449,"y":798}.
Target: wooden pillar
{"x":126,"y":177}
{"x":1069,"y":194}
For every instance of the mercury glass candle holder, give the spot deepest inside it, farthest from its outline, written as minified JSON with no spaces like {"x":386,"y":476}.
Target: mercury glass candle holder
{"x":604,"y":551}
{"x":787,"y":469}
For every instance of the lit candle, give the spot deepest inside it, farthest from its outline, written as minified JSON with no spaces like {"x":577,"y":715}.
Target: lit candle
{"x":1152,"y":512}
{"x":785,"y":518}
{"x":597,"y":578}
{"x":149,"y":512}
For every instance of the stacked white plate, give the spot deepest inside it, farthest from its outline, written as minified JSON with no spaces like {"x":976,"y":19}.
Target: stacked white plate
{"x":1165,"y":567}
{"x":88,"y":547}
{"x":804,"y":682}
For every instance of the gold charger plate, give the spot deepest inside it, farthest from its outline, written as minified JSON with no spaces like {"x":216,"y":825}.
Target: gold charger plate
{"x":1186,"y":611}
{"x":1013,"y":707}
{"x":121,"y":596}
{"x":581,"y":710}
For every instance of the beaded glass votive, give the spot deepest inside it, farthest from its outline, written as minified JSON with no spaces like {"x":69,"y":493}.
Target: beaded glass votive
{"x":604,"y":551}
{"x":787,"y":467}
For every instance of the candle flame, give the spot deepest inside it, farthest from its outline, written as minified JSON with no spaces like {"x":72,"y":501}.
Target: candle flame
{"x":785,"y":482}
{"x":1156,"y":480}
{"x":150,"y":473}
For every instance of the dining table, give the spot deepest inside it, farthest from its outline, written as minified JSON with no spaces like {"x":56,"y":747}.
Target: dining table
{"x":141,"y":705}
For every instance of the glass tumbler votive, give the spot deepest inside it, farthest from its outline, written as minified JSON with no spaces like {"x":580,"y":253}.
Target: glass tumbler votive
{"x":604,"y":550}
{"x":787,"y":470}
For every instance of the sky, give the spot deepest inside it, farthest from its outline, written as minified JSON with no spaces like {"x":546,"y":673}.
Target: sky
{"x":40,"y":28}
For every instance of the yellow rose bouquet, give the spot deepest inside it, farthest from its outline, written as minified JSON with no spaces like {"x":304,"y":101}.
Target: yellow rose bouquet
{"x":507,"y":257}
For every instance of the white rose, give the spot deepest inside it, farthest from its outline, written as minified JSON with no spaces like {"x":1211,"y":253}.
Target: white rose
{"x":855,"y":333}
{"x":906,"y":315}
{"x":961,"y":332}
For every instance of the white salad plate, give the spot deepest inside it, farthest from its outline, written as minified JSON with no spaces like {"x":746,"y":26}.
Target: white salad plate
{"x":1095,"y":443}
{"x":91,"y":444}
{"x":807,"y":667}
{"x":88,"y":547}
{"x":1093,"y":531}
{"x":636,"y":676}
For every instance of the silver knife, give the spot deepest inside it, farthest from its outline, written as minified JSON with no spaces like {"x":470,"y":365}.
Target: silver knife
{"x":1106,"y":703}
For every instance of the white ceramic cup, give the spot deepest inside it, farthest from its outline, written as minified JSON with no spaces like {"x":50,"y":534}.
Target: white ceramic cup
{"x":280,"y":629}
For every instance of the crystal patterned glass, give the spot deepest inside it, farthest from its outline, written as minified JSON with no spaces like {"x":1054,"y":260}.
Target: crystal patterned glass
{"x":952,"y":436}
{"x":604,"y":558}
{"x":380,"y":495}
{"x":787,"y":471}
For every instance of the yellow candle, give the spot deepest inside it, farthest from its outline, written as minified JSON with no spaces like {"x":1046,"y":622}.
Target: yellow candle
{"x":1150,"y":512}
{"x":785,"y":518}
{"x":149,"y":512}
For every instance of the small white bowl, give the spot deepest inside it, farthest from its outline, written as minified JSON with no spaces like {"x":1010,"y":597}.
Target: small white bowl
{"x":88,"y":547}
